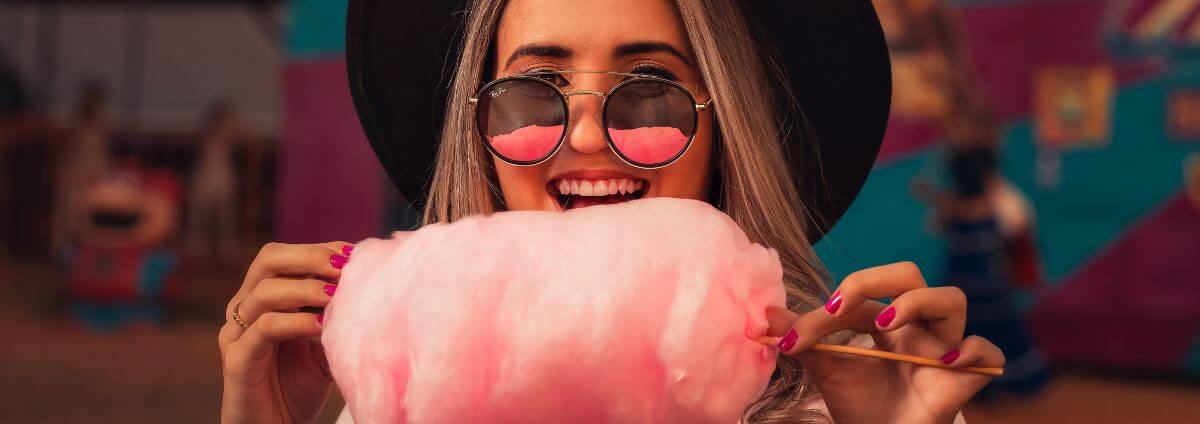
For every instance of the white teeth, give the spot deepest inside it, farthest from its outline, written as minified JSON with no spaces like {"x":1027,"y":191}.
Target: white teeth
{"x":598,"y":187}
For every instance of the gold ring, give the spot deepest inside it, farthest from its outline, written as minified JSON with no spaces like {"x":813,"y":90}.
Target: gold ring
{"x":237,"y":319}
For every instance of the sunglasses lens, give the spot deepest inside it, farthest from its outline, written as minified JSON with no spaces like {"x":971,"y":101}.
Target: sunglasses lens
{"x":522,"y":120}
{"x":650,"y":122}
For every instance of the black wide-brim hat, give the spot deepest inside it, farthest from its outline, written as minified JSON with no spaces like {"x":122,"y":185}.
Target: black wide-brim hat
{"x":400,"y":56}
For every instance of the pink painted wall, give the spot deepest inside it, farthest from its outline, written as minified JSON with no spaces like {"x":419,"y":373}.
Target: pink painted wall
{"x":330,"y":186}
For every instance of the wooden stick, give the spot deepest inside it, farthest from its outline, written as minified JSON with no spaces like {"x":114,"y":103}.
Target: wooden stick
{"x":872,"y":353}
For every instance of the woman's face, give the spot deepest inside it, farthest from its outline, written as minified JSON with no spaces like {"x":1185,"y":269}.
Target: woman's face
{"x":637,"y":36}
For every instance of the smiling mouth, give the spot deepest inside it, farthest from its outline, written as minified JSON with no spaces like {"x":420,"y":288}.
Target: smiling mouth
{"x":571,"y":193}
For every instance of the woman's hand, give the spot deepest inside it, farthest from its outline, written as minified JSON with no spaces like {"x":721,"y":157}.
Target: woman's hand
{"x":920,"y":321}
{"x":274,"y":368}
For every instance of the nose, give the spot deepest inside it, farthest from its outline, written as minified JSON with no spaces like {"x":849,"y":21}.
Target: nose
{"x":585,"y":133}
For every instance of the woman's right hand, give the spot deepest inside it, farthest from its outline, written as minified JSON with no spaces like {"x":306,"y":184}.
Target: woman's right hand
{"x":274,"y":369}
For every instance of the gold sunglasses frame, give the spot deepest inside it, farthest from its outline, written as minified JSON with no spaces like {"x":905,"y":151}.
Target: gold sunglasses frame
{"x":565,"y":98}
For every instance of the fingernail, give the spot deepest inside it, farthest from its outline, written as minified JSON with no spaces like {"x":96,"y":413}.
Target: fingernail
{"x":834,"y":303}
{"x":321,"y":320}
{"x":788,"y":341}
{"x":338,"y":261}
{"x":950,"y":356}
{"x":347,"y":249}
{"x":330,"y":288}
{"x":886,"y":316}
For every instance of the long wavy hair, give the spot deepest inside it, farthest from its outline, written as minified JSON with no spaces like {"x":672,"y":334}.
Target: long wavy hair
{"x":754,"y":183}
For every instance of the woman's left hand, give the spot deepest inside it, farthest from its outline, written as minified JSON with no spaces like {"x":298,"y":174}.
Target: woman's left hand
{"x":921,"y":320}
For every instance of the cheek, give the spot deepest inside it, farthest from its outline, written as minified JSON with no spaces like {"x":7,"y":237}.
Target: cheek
{"x":524,"y":187}
{"x":688,"y":178}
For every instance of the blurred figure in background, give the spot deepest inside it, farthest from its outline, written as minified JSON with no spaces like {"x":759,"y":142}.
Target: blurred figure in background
{"x":972,"y":136}
{"x":986,"y":223}
{"x":212,"y":231}
{"x":978,"y":221}
{"x":121,"y":267}
{"x":84,"y":158}
{"x":115,"y":226}
{"x":987,"y":227}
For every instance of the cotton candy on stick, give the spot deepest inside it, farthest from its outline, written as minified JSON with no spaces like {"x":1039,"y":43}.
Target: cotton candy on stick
{"x":644,"y":311}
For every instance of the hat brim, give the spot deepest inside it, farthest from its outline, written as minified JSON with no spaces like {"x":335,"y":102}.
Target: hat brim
{"x":399,"y":55}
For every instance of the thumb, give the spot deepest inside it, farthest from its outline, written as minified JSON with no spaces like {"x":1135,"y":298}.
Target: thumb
{"x":779,"y":320}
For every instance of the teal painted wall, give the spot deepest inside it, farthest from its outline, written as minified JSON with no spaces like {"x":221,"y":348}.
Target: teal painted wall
{"x":316,"y":29}
{"x":1103,"y":191}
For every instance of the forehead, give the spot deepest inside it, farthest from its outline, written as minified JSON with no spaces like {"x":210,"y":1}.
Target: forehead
{"x":589,"y":25}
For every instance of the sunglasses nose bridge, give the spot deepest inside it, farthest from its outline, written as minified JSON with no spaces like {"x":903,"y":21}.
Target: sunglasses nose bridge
{"x":586,"y":136}
{"x":603,"y":96}
{"x":585,"y":93}
{"x":595,"y":108}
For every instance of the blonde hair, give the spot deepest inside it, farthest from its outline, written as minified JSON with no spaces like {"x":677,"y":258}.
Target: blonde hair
{"x":756,"y":185}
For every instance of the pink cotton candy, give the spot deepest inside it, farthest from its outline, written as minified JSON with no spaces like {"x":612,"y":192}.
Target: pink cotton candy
{"x":528,"y":143}
{"x":643,"y":311}
{"x":649,"y":145}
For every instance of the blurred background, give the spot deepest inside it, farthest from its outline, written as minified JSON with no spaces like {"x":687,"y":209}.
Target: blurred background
{"x":1043,"y":155}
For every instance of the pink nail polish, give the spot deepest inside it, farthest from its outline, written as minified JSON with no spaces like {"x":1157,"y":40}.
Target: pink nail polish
{"x":886,"y":317}
{"x":321,"y":320}
{"x":338,"y":261}
{"x":788,"y":341}
{"x":834,"y":303}
{"x":950,"y":356}
{"x":347,"y":249}
{"x":330,"y":289}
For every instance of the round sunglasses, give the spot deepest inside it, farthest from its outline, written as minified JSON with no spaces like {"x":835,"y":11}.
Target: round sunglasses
{"x":649,"y":122}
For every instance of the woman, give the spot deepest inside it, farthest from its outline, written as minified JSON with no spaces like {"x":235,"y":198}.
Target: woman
{"x":212,"y":221}
{"x":703,"y":73}
{"x":84,"y":158}
{"x":980,"y":219}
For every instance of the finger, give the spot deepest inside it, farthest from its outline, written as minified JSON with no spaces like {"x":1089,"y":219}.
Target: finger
{"x":341,"y":246}
{"x":798,"y":332}
{"x":779,"y":320}
{"x":258,"y":342}
{"x":322,"y":261}
{"x":284,"y":294}
{"x":943,"y":308}
{"x":889,"y":280}
{"x":275,"y":327}
{"x":346,"y":248}
{"x":975,"y":351}
{"x":230,"y":332}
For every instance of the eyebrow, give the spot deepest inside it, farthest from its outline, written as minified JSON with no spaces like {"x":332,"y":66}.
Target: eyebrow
{"x":627,"y":49}
{"x":541,"y":50}
{"x":639,"y":47}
